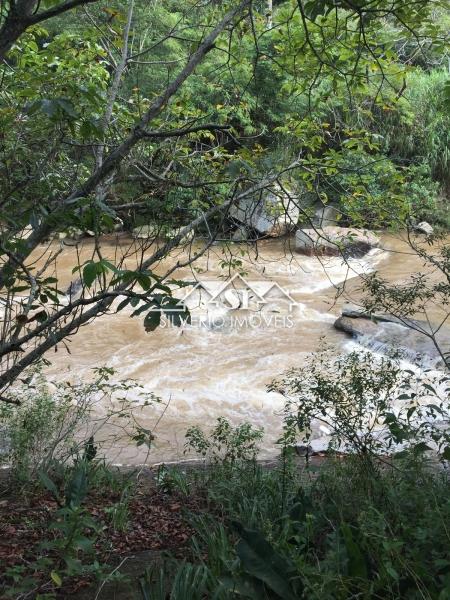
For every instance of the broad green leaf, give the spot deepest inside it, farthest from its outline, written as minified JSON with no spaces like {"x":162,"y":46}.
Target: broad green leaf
{"x":90,"y":272}
{"x":48,"y":483}
{"x":357,"y":566}
{"x":152,"y":320}
{"x":259,"y":559}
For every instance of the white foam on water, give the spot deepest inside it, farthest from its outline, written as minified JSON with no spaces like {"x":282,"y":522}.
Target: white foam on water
{"x":323,"y":273}
{"x":206,"y":373}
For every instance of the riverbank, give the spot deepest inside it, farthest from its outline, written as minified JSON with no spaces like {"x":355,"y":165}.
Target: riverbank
{"x":194,"y":532}
{"x":130,"y":518}
{"x":71,"y":521}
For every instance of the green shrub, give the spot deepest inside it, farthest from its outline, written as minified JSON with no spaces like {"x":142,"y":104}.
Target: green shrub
{"x":51,"y":426}
{"x":341,"y":530}
{"x":42,"y":429}
{"x":423,"y":194}
{"x":225,"y":443}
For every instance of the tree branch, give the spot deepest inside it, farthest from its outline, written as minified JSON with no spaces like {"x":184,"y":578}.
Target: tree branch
{"x":116,"y":156}
{"x":20,"y":17}
{"x":58,"y":10}
{"x":10,"y":401}
{"x":185,"y":131}
{"x":103,"y":302}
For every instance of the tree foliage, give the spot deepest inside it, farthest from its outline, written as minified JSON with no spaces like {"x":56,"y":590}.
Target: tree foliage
{"x":132,"y":114}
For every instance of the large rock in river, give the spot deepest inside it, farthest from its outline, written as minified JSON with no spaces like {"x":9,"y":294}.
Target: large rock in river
{"x":424,"y":228}
{"x":385,"y":333}
{"x":271,"y":212}
{"x":334,"y":241}
{"x":356,"y":326}
{"x":327,"y":216}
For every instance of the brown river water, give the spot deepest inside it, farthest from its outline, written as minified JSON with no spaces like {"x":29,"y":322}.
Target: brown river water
{"x":203,"y":371}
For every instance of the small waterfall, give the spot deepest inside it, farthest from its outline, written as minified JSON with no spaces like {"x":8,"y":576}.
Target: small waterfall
{"x":386,"y":348}
{"x":409,"y":357}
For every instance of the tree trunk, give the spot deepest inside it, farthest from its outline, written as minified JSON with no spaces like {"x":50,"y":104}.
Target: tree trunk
{"x":269,"y":14}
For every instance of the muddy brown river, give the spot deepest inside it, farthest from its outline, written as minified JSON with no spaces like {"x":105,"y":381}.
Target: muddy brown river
{"x":218,"y":366}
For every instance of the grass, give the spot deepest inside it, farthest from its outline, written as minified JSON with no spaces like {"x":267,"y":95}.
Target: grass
{"x":342,"y":531}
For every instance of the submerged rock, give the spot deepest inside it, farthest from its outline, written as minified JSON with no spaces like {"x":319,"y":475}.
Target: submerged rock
{"x":386,"y":334}
{"x":334,"y":241}
{"x":271,"y":212}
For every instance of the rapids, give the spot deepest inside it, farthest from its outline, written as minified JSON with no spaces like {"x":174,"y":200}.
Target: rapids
{"x":205,"y":371}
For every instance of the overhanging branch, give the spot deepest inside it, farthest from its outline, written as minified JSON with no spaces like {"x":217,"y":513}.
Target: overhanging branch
{"x":58,"y":10}
{"x":20,"y":17}
{"x":113,"y":160}
{"x":103,"y":302}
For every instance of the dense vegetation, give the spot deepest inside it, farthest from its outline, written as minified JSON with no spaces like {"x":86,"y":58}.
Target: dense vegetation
{"x":371,"y":522}
{"x":169,"y":115}
{"x":159,"y":118}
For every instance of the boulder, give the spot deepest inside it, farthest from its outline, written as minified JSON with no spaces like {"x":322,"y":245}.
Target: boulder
{"x":302,"y":450}
{"x":241,"y":234}
{"x":72,"y":235}
{"x":334,"y":241}
{"x":145,"y":232}
{"x":327,"y":216}
{"x":424,"y":227}
{"x":356,"y":326}
{"x":353,"y":310}
{"x":271,"y":212}
{"x":386,"y":333}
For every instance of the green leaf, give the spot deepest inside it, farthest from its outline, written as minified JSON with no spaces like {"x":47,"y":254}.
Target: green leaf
{"x":430,"y":388}
{"x":90,"y":273}
{"x":48,"y":483}
{"x":143,"y":280}
{"x":152,"y":320}
{"x":420,"y":448}
{"x":314,"y":8}
{"x":446,"y":453}
{"x":123,"y":304}
{"x":77,"y":487}
{"x":259,"y":559}
{"x":107,"y":265}
{"x":392,"y":572}
{"x":356,"y":562}
{"x":56,"y":578}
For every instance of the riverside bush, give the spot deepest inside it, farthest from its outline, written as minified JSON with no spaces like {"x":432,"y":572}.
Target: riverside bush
{"x":334,"y":536}
{"x":54,"y":442}
{"x":52,"y":424}
{"x":367,"y":525}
